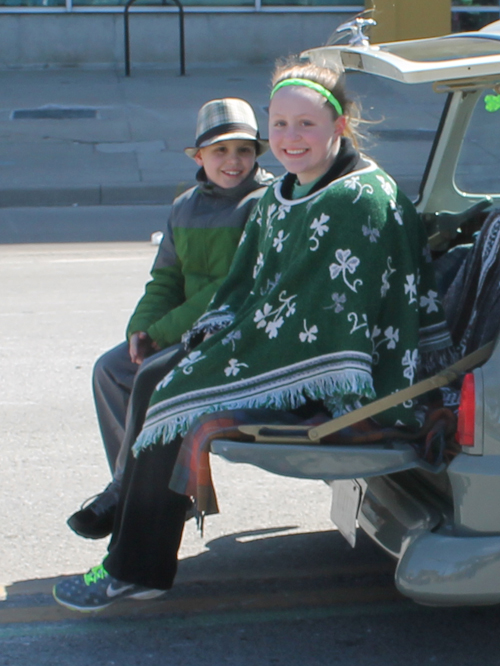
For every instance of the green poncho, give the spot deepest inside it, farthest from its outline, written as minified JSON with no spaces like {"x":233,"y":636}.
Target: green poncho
{"x":330,"y":297}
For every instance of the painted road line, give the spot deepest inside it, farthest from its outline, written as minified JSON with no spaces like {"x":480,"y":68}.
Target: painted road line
{"x":94,"y":626}
{"x":280,"y":600}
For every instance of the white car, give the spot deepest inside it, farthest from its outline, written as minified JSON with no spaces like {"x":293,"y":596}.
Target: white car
{"x":440,"y":520}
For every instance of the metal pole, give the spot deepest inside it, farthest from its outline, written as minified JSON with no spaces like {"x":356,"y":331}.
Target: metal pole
{"x":127,"y":36}
{"x":181,"y":37}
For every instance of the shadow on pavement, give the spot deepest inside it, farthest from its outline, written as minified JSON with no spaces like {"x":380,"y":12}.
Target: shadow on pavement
{"x":255,"y":570}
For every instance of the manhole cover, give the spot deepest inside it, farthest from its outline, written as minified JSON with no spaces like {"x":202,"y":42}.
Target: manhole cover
{"x":53,"y":114}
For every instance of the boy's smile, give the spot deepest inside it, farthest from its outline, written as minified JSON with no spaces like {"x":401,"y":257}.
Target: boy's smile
{"x":227,"y":163}
{"x":303,"y":133}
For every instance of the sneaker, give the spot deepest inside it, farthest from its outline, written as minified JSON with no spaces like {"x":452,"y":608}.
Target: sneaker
{"x":96,"y":590}
{"x":95,"y":518}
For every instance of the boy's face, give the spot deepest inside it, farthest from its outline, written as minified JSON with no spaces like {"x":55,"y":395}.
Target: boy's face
{"x":227,"y":163}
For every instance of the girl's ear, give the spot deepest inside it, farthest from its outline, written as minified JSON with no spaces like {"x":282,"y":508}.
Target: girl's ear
{"x":340,"y":125}
{"x":198,"y":158}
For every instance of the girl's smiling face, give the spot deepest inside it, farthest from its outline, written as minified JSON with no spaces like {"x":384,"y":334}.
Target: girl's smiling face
{"x":303,"y":134}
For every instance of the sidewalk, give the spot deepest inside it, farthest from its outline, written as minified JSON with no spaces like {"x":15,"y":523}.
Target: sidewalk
{"x":112,"y":140}
{"x":129,"y":148}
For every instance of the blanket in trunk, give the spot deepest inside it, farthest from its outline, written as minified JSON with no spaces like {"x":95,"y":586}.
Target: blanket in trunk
{"x":330,"y":297}
{"x":192,"y":475}
{"x":472,"y":302}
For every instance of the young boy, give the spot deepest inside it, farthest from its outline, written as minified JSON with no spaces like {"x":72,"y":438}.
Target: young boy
{"x":202,"y":234}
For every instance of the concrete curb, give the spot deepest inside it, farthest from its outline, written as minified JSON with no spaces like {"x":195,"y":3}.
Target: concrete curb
{"x":92,"y":195}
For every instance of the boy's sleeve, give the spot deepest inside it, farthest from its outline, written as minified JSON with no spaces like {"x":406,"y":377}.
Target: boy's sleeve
{"x":169,"y":329}
{"x":164,"y":292}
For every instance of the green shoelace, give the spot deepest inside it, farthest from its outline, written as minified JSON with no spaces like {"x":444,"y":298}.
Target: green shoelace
{"x":95,"y":574}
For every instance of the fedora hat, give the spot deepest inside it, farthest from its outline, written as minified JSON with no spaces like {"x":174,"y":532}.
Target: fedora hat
{"x":225,"y":119}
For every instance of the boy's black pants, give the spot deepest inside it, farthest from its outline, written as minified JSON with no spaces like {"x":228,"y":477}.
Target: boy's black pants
{"x":149,"y":520}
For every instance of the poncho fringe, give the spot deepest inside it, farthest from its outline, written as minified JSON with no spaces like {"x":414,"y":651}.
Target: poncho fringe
{"x":325,"y":389}
{"x":209,"y":323}
{"x":433,"y":362}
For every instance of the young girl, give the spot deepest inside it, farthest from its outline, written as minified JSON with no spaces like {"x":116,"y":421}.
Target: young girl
{"x":330,"y":302}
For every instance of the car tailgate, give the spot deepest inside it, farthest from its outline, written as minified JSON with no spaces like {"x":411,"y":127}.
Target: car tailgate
{"x":323,"y":461}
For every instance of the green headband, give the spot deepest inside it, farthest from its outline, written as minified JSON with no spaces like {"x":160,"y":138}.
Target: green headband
{"x":314,"y":86}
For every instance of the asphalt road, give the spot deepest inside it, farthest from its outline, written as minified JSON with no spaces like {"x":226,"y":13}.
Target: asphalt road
{"x":271,"y":581}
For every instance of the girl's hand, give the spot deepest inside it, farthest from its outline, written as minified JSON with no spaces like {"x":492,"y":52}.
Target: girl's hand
{"x":141,"y":346}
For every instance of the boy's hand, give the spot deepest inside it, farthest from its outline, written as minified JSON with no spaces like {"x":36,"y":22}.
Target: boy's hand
{"x":140,"y":346}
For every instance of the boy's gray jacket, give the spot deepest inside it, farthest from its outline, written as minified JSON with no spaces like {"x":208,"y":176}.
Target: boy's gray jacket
{"x":202,"y":234}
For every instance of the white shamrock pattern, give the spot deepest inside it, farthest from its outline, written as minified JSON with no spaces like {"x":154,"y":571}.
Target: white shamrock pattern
{"x":391,"y":338}
{"x":372,"y":232}
{"x":279,"y":240}
{"x":411,"y":289}
{"x":347,"y":264}
{"x":231,"y":339}
{"x":385,"y":278}
{"x":188,"y":362}
{"x":354,"y":183}
{"x":409,"y":362}
{"x":430,"y":301}
{"x":319,"y":228}
{"x":269,"y":222}
{"x":398,"y":212}
{"x":270,"y":284}
{"x":258,"y":265}
{"x":309,"y":334}
{"x":283,"y":210}
{"x":234,"y":367}
{"x":386,"y":186}
{"x":338,"y":303}
{"x":263,"y":317}
{"x":165,"y":381}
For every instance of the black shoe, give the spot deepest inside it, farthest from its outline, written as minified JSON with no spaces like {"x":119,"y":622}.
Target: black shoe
{"x":95,"y":520}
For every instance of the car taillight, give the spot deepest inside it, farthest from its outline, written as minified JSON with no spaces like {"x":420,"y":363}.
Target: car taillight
{"x":466,"y":412}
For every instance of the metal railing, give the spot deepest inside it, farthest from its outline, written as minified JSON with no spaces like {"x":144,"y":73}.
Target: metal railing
{"x":127,"y":35}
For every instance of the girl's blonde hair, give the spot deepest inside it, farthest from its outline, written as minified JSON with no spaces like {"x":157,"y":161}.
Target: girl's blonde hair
{"x":332,"y":80}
